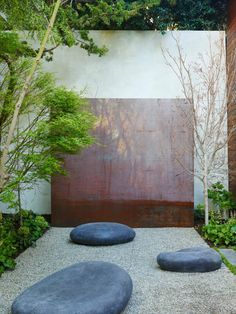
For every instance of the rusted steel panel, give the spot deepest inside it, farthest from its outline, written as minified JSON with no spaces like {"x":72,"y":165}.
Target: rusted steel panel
{"x":131,"y":175}
{"x":231,"y":65}
{"x":231,"y":15}
{"x":141,"y":213}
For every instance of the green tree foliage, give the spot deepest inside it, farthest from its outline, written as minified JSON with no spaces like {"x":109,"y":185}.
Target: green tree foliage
{"x":190,"y":15}
{"x":52,"y":121}
{"x":150,"y":15}
{"x":33,"y":16}
{"x":110,"y":14}
{"x":75,"y":18}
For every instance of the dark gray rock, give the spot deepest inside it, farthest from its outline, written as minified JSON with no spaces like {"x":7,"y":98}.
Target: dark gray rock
{"x":230,"y":255}
{"x":83,"y":288}
{"x":196,"y":259}
{"x":102,"y":233}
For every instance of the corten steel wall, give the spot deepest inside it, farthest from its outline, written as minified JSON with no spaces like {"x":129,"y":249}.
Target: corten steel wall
{"x":231,"y":64}
{"x":131,"y":175}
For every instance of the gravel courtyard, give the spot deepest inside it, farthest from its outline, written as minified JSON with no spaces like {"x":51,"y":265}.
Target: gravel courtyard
{"x":155,"y":291}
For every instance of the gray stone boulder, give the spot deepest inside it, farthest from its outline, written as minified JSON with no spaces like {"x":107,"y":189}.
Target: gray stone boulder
{"x":83,"y":288}
{"x":102,"y":233}
{"x":192,"y":260}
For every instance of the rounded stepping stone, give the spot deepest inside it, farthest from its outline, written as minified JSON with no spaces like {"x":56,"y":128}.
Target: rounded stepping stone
{"x":83,"y":288}
{"x":102,"y":233}
{"x":196,"y":259}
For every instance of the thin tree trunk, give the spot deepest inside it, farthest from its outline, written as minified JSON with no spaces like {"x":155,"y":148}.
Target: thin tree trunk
{"x":19,"y":204}
{"x":5,"y":151}
{"x":206,"y":203}
{"x":18,"y":185}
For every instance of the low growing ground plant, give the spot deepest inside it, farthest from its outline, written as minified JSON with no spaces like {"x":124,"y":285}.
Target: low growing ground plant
{"x":220,"y":234}
{"x":221,"y":230}
{"x":222,"y":200}
{"x":18,"y":232}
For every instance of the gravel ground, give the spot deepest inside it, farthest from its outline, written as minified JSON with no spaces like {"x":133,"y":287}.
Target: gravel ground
{"x":155,"y":291}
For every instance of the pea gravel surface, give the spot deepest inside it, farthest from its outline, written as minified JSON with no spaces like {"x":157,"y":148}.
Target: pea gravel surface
{"x":155,"y":291}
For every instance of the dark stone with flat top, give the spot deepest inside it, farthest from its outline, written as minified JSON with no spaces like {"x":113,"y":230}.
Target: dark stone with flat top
{"x":192,"y":260}
{"x":102,"y":233}
{"x":83,"y":288}
{"x":230,"y":255}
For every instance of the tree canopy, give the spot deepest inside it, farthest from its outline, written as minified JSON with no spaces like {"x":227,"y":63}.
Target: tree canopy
{"x":181,"y":15}
{"x":38,"y":121}
{"x":52,"y":121}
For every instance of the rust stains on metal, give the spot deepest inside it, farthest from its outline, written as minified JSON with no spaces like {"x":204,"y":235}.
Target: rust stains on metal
{"x":131,"y":174}
{"x":231,"y":65}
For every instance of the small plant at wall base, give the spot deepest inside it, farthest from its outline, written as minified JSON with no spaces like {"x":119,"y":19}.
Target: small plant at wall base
{"x":15,"y":236}
{"x":222,"y":200}
{"x":221,"y":230}
{"x":199,"y":214}
{"x":223,"y":204}
{"x":221,"y":234}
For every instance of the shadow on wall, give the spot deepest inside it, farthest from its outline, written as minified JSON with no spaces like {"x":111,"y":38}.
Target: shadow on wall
{"x":133,"y":160}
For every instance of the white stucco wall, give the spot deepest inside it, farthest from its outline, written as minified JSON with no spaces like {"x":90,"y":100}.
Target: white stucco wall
{"x":134,"y":67}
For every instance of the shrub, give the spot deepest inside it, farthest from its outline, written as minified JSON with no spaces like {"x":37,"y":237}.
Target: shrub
{"x":17,"y":233}
{"x":222,"y":199}
{"x":199,"y":213}
{"x":221,"y":234}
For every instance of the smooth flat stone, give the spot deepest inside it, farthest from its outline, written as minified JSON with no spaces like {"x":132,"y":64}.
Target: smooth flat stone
{"x":102,"y":233}
{"x":230,"y":255}
{"x":196,"y":259}
{"x":83,"y":288}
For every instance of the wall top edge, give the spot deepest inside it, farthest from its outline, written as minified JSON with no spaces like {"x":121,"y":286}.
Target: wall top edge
{"x":154,"y":31}
{"x":142,"y":98}
{"x":144,"y":31}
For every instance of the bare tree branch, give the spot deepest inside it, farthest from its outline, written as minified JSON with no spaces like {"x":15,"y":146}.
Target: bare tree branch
{"x":204,"y":87}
